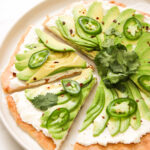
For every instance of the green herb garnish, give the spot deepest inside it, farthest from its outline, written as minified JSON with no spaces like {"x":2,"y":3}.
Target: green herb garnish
{"x":43,"y":102}
{"x":116,"y":64}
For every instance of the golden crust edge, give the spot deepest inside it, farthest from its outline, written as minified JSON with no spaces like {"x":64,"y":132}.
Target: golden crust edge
{"x":45,"y":142}
{"x":7,"y":72}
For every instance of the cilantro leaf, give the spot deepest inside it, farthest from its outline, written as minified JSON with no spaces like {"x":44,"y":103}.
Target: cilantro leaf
{"x":116,"y":64}
{"x":43,"y":102}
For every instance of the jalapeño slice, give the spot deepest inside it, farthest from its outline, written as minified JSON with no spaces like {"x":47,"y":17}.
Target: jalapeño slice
{"x":38,"y":58}
{"x":70,"y":86}
{"x":122,"y":107}
{"x":89,"y":25}
{"x":132,"y":29}
{"x":58,"y":117}
{"x":144,"y":81}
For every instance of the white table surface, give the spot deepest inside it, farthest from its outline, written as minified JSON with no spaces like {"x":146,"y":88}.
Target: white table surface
{"x":10,"y":12}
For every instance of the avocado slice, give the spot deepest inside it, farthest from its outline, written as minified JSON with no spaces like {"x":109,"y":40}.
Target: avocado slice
{"x":142,"y":106}
{"x":26,"y":74}
{"x":145,"y":56}
{"x":66,"y":26}
{"x":21,"y":65}
{"x":79,"y":10}
{"x":107,"y":20}
{"x":143,"y":43}
{"x":52,"y":43}
{"x":69,"y":60}
{"x":95,"y":11}
{"x":90,"y":54}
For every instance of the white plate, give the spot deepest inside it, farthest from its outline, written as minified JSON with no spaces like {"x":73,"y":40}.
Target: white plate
{"x":34,"y":16}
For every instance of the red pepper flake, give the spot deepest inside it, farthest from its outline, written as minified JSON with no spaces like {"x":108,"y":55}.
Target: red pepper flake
{"x":134,"y":118}
{"x":103,"y":22}
{"x":48,"y":87}
{"x":137,"y":100}
{"x":103,"y":117}
{"x":46,"y":80}
{"x":92,"y":36}
{"x":64,"y":49}
{"x":147,"y":28}
{"x":56,"y":62}
{"x":83,"y":12}
{"x":58,"y":108}
{"x":68,"y":84}
{"x":133,"y":15}
{"x":90,"y":66}
{"x":46,"y":41}
{"x":34,"y":78}
{"x":71,"y":31}
{"x":63,"y":22}
{"x":148,"y":43}
{"x":14,"y":74}
{"x":97,"y":18}
{"x":81,"y":84}
{"x":115,"y":21}
{"x":62,"y":95}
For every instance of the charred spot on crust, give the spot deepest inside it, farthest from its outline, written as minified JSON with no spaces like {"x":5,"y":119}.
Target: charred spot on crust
{"x":14,"y":74}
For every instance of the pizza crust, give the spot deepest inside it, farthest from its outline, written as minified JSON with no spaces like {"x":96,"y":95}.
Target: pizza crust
{"x":45,"y":142}
{"x":8,"y":74}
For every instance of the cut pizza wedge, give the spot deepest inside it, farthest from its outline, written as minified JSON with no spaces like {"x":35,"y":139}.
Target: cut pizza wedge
{"x":38,"y":59}
{"x":47,"y":112}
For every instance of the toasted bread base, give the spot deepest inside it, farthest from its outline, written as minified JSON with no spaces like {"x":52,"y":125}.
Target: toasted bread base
{"x":45,"y":142}
{"x":143,"y":145}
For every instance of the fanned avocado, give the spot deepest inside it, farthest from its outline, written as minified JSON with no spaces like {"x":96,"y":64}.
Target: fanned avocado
{"x":66,"y":26}
{"x":79,"y":10}
{"x":52,"y":43}
{"x":107,"y":20}
{"x":69,"y":60}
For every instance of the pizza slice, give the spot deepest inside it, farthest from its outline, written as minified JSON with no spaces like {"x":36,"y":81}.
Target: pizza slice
{"x":38,"y":59}
{"x":48,"y":111}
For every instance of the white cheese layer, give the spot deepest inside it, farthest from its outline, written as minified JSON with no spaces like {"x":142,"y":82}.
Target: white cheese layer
{"x":29,"y":114}
{"x":130,"y":136}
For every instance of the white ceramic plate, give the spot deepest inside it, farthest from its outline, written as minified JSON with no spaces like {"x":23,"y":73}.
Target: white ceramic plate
{"x":32,"y":17}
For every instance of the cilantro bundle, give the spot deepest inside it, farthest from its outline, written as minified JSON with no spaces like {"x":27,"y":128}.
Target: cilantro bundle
{"x":116,"y":64}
